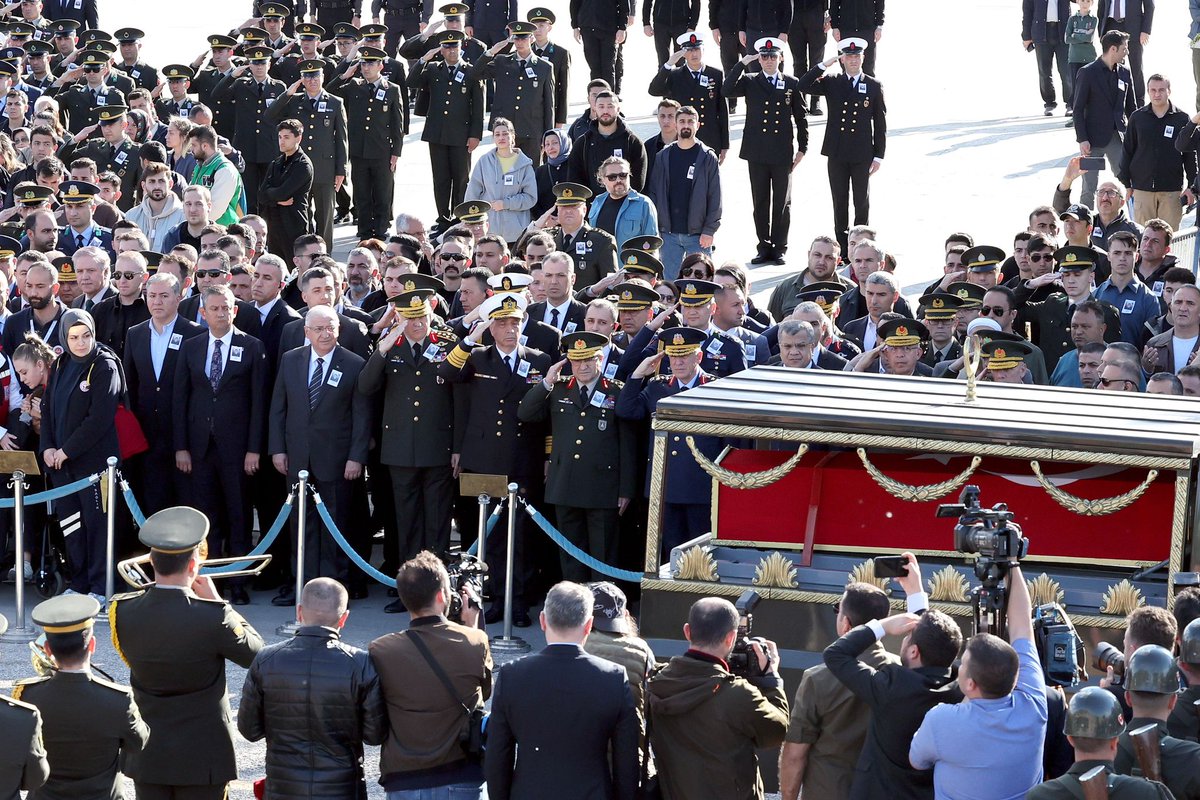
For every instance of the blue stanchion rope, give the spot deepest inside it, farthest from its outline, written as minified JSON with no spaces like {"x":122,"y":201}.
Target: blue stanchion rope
{"x":263,"y":545}
{"x":353,"y":555}
{"x":491,"y":523}
{"x":135,"y":509}
{"x":577,"y":554}
{"x":55,"y":493}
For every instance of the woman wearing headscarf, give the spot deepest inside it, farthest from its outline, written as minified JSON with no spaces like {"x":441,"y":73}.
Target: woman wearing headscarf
{"x":556,"y":147}
{"x":79,"y":435}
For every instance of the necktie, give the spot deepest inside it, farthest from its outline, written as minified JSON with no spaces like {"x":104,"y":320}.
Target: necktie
{"x":508,"y":363}
{"x":554,"y":317}
{"x":416,"y":351}
{"x":696,"y":75}
{"x":583,"y":395}
{"x":88,"y":303}
{"x":262,"y":90}
{"x":314,"y":103}
{"x":214,"y":368}
{"x":314,"y":383}
{"x":79,"y":240}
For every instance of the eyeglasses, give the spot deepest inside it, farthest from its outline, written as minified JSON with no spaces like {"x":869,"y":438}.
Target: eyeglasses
{"x":837,"y":607}
{"x":616,"y":176}
{"x":452,"y":257}
{"x":129,"y":276}
{"x":986,"y":311}
{"x":1108,"y":193}
{"x":1111,"y":381}
{"x":211,"y":273}
{"x":319,"y":329}
{"x":694,"y":273}
{"x":92,"y":70}
{"x":1039,"y":257}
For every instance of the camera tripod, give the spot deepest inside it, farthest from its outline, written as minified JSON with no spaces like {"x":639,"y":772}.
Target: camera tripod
{"x":989,"y":600}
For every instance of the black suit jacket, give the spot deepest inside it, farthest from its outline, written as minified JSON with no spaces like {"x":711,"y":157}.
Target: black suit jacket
{"x":853,"y":305}
{"x":857,"y":127}
{"x":248,"y":320}
{"x":564,"y":710}
{"x":1139,"y":17}
{"x":829,"y":360}
{"x":272,"y":332}
{"x":230,"y":418}
{"x":337,"y":430}
{"x":898,"y":698}
{"x":576,"y":311}
{"x":352,"y":335}
{"x":1105,"y":98}
{"x":1033,"y":20}
{"x":151,"y":398}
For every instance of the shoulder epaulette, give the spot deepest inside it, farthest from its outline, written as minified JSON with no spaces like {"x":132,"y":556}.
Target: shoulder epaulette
{"x":16,"y":702}
{"x":19,"y":686}
{"x":107,"y":684}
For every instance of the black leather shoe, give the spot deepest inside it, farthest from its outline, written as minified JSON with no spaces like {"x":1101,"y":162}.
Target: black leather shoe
{"x":815,"y":111}
{"x":494,"y":614}
{"x":392,"y":592}
{"x":359,"y":593}
{"x":286,"y":597}
{"x":521,"y":618}
{"x":762,"y":258}
{"x":395,"y":607}
{"x":239,"y":596}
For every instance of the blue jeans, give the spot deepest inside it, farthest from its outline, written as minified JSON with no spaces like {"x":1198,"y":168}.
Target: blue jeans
{"x":675,"y":247}
{"x":457,"y":791}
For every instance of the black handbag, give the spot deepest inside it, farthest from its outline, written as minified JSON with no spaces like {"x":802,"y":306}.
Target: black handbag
{"x":471,"y":738}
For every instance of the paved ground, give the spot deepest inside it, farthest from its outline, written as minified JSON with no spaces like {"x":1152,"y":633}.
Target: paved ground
{"x":968,"y":150}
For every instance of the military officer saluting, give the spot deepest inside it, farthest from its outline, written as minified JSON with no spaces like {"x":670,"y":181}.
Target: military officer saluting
{"x":85,"y":759}
{"x":524,"y":83}
{"x":939,"y":311}
{"x":594,"y":251}
{"x":543,"y":20}
{"x":454,"y":19}
{"x":376,"y":139}
{"x":325,"y":142}
{"x":253,"y":135}
{"x":696,"y":84}
{"x":492,"y":439}
{"x":275,"y":18}
{"x":1092,"y":726}
{"x":114,"y":152}
{"x":774,"y":139}
{"x":453,"y":118}
{"x":373,"y":35}
{"x":592,"y":473}
{"x":1152,"y":690}
{"x":723,"y":354}
{"x":308,"y":37}
{"x":129,"y":42}
{"x":176,"y":637}
{"x":221,"y":48}
{"x":177,"y":103}
{"x":38,"y":60}
{"x":856,"y":134}
{"x":81,"y":100}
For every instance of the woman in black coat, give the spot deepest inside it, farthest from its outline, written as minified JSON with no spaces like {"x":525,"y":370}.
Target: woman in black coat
{"x":79,"y":435}
{"x":556,"y":147}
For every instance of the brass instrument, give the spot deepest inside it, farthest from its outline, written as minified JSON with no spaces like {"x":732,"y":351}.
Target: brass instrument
{"x":133,"y":570}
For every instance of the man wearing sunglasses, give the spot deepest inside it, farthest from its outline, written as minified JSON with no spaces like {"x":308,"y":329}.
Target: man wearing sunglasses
{"x":115,"y":315}
{"x":620,"y":209}
{"x":1000,"y":306}
{"x":86,"y":86}
{"x":1053,"y":315}
{"x":214,"y":269}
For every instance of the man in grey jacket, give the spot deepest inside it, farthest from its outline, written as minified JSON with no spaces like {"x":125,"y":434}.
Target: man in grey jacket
{"x":686,"y":188}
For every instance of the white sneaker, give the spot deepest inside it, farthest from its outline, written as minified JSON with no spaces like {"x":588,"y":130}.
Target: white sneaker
{"x":99,"y":598}
{"x":12,"y":573}
{"x":70,"y":591}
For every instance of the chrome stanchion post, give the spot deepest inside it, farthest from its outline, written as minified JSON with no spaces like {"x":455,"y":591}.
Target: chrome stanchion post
{"x":484,"y":501}
{"x":508,"y":642}
{"x":19,"y":633}
{"x":110,"y":544}
{"x":289,"y":628}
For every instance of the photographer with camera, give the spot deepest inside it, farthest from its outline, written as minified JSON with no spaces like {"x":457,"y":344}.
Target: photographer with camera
{"x":1184,"y":721}
{"x":1000,"y":726}
{"x":435,"y":678}
{"x":829,"y":724}
{"x":706,"y":722}
{"x":1152,"y":688}
{"x":1144,"y":625}
{"x":898,"y":694}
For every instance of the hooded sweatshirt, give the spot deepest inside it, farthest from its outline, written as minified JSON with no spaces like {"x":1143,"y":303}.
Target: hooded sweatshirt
{"x":589,"y":151}
{"x":705,"y":725}
{"x":157,"y":226}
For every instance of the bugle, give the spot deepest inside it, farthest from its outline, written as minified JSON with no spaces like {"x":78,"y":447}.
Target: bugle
{"x":133,"y":570}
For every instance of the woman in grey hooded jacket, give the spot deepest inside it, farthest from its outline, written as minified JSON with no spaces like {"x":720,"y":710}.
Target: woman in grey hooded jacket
{"x":505,"y":178}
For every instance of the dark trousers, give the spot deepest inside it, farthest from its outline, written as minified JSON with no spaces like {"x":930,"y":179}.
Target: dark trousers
{"x":771,"y":195}
{"x":85,"y":532}
{"x":532,"y":147}
{"x":1047,"y":52}
{"x":1135,"y":59}
{"x":451,"y":167}
{"x":731,"y":52}
{"x":600,"y":51}
{"x":374,"y":183}
{"x":269,"y":489}
{"x":158,"y":791}
{"x":1073,"y":68}
{"x":593,"y":530}
{"x":221,"y":492}
{"x":806,"y":39}
{"x":844,"y":176}
{"x":424,"y":499}
{"x":323,"y":557}
{"x":157,"y":483}
{"x":323,"y":201}
{"x":400,"y":28}
{"x":664,"y":40}
{"x":683,"y":522}
{"x":251,"y":178}
{"x":328,"y":17}
{"x":872,"y":48}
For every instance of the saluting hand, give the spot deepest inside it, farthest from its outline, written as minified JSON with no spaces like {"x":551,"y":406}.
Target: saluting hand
{"x":393,"y":336}
{"x":662,"y":317}
{"x":425,"y":59}
{"x":292,"y":89}
{"x":649,"y":366}
{"x":553,"y":373}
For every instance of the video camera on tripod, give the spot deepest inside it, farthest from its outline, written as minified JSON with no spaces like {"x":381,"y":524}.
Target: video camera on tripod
{"x":992,"y":534}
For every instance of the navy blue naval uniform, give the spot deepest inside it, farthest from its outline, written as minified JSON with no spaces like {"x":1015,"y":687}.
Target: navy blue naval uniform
{"x":687,"y":506}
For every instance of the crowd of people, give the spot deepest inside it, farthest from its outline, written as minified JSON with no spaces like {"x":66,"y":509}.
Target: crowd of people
{"x":170,"y":299}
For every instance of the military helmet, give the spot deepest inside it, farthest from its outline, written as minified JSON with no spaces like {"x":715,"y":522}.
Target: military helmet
{"x":1189,"y":647}
{"x":1094,"y":713}
{"x":1152,"y":669}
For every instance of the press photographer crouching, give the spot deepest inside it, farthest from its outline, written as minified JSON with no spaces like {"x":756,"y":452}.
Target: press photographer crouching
{"x":432,"y":675}
{"x":1152,"y":689}
{"x":705,"y":722}
{"x":898,"y":694}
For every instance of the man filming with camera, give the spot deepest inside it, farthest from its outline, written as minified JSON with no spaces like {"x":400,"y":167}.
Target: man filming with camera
{"x":706,"y":722}
{"x":898,"y":694}
{"x":1000,"y":728}
{"x":428,"y":752}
